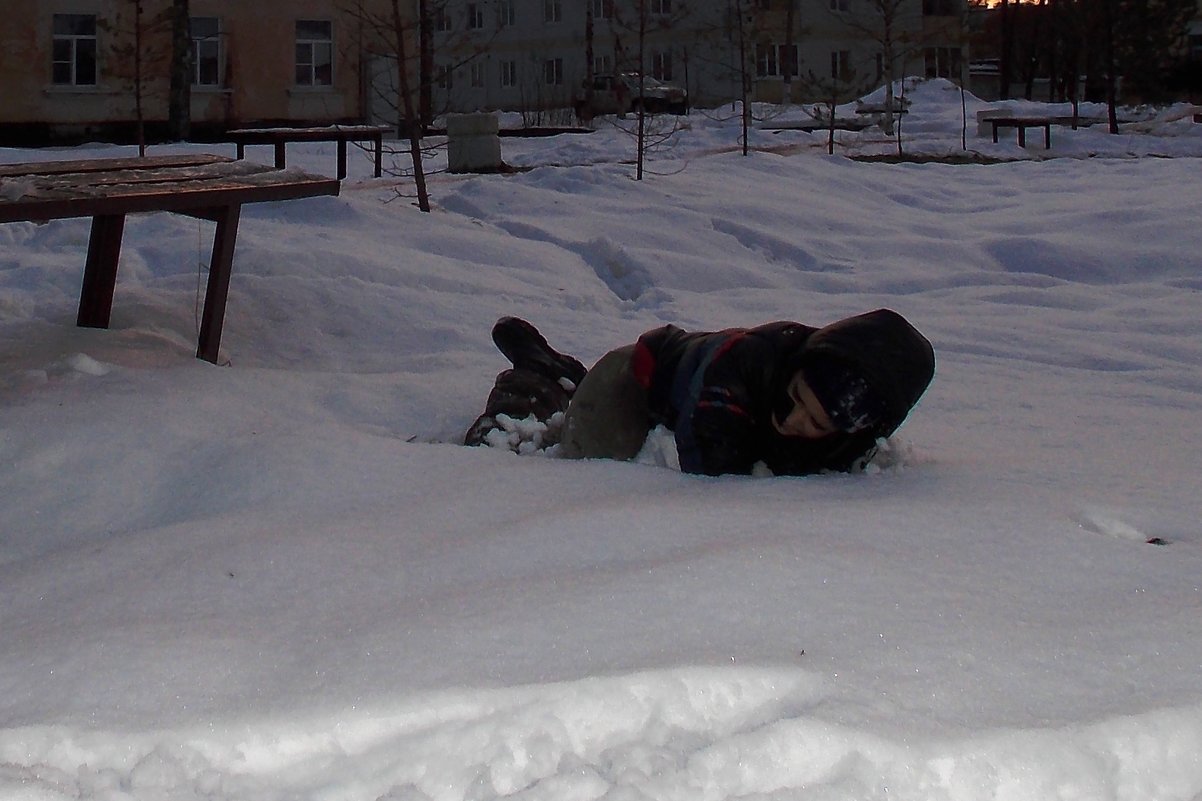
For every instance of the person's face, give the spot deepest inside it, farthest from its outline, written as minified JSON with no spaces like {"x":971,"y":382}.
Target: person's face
{"x":807,"y":420}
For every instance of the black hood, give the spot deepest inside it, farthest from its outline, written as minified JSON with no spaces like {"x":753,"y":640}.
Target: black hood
{"x":895,"y":360}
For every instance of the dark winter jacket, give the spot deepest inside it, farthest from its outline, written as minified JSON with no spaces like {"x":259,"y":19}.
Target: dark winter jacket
{"x":716,"y":390}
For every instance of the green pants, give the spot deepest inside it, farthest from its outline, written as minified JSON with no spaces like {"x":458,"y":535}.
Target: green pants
{"x":607,"y":418}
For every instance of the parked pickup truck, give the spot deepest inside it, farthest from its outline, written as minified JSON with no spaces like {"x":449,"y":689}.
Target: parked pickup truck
{"x":619,"y":94}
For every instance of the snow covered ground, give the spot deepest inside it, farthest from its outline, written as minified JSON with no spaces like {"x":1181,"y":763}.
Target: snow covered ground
{"x":281,"y":578}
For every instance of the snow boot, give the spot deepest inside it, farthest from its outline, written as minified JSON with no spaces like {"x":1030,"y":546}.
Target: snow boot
{"x":518,"y":394}
{"x":527,"y":349}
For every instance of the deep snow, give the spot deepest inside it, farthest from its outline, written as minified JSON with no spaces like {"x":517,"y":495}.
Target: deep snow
{"x":282,"y":579}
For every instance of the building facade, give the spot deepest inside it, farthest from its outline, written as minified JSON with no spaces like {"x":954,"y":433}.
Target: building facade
{"x":91,"y":68}
{"x":535,"y":54}
{"x":81,"y":68}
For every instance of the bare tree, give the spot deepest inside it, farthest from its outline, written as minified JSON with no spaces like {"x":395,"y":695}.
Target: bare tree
{"x":137,"y":36}
{"x":414,"y":126}
{"x":895,"y":27}
{"x":179,"y":103}
{"x":841,"y":87}
{"x":650,"y":132}
{"x":390,"y":31}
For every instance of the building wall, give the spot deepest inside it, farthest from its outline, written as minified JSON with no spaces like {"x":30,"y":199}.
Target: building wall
{"x":506,"y":55}
{"x":257,"y":56}
{"x":699,"y":38}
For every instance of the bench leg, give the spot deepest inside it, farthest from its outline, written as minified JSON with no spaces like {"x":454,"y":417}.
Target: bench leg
{"x":1022,"y":136}
{"x":994,"y":125}
{"x":100,"y":271}
{"x":279,"y":155}
{"x":241,"y":151}
{"x":1047,"y":137}
{"x":341,"y":159}
{"x":379,"y":142}
{"x":220,"y":267}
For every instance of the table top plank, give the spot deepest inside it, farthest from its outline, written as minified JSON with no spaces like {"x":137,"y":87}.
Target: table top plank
{"x":107,"y":165}
{"x":58,"y":190}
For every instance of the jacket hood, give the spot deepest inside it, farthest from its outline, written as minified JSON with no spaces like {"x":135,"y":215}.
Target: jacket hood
{"x":894,"y":359}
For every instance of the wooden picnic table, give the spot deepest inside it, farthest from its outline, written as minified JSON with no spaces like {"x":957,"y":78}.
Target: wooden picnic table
{"x":209,"y":187}
{"x":279,"y":137}
{"x":1022,"y":124}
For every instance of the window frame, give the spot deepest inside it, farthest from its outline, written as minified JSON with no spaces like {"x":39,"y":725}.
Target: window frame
{"x":315,"y":80}
{"x":506,"y":13}
{"x":214,"y":42}
{"x":78,"y":46}
{"x":475,"y":16}
{"x":553,"y":71}
{"x":661,"y":65}
{"x":508,"y":73}
{"x":840,"y":65}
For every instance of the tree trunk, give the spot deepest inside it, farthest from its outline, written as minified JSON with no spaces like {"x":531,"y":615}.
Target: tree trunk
{"x":642,"y":110}
{"x":412,"y":125}
{"x":790,"y":43}
{"x":1111,"y":78}
{"x":1004,"y":54}
{"x":425,"y":46}
{"x":179,"y":103}
{"x":588,"y":63}
{"x":138,"y":114}
{"x":744,"y":79}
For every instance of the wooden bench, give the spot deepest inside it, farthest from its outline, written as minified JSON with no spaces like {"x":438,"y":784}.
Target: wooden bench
{"x":209,"y":187}
{"x":1022,"y":124}
{"x":279,"y":137}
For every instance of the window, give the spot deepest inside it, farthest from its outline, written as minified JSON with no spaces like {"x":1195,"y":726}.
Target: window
{"x":442,"y":20}
{"x":841,"y":65}
{"x":662,"y":7}
{"x":206,"y":50}
{"x":840,"y":5}
{"x":509,"y":73}
{"x":74,"y":50}
{"x":475,"y":16}
{"x":552,"y":11}
{"x":505,"y":13}
{"x":442,"y":76}
{"x":553,"y":72}
{"x":765,"y":60}
{"x":661,"y":65}
{"x":476,"y":74}
{"x":603,"y":9}
{"x":772,"y":60}
{"x":603,"y":65}
{"x":314,"y":53}
{"x":942,"y":62}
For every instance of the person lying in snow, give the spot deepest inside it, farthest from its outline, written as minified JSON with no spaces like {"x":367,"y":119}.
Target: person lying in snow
{"x":799,"y":399}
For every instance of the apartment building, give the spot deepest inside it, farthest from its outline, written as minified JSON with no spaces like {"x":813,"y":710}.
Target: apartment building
{"x":82,"y":68}
{"x":78,"y":68}
{"x":524,"y":54}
